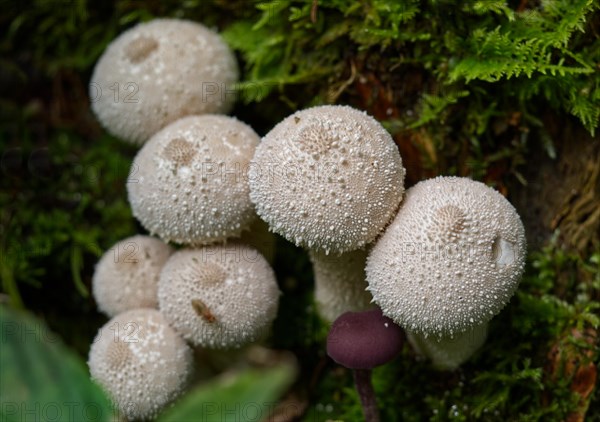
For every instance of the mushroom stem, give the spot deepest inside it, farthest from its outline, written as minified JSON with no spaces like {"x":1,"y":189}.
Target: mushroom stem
{"x":448,"y":353}
{"x":202,"y":310}
{"x":362,"y":380}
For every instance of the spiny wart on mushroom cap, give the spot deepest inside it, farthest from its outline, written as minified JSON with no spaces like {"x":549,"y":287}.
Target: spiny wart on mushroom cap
{"x":159,"y":71}
{"x":219,"y":297}
{"x":141,"y":362}
{"x":189,"y":182}
{"x":340,"y":283}
{"x":328,"y":178}
{"x":126,"y":277}
{"x":451,"y":259}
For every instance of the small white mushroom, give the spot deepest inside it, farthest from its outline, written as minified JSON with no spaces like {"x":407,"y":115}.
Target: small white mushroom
{"x":451,"y":259}
{"x":219,"y":297}
{"x":188,"y":184}
{"x":158,"y":72}
{"x":448,"y":353}
{"x":126,"y":277}
{"x":340,"y":283}
{"x":141,"y":362}
{"x":328,"y":178}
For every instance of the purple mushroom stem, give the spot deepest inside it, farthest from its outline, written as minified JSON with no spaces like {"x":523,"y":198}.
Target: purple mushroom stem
{"x":362,"y":382}
{"x":361,"y":341}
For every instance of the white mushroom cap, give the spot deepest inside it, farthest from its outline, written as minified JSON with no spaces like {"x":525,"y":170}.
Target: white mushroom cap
{"x":327,"y":178}
{"x":340,"y":283}
{"x":126,"y":277}
{"x":448,"y":353}
{"x":451,"y":259}
{"x":188,"y":184}
{"x":141,"y":362}
{"x":158,"y":72}
{"x":219,"y":297}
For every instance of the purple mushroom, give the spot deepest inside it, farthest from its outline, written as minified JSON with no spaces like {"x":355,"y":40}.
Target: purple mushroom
{"x":361,"y":341}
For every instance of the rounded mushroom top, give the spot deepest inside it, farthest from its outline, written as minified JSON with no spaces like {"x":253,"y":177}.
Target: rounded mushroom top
{"x":189,"y":184}
{"x":126,"y":277}
{"x":364,"y":340}
{"x":141,"y":362}
{"x":450,"y":260}
{"x":219,"y":297}
{"x":328,"y":178}
{"x":159,"y":71}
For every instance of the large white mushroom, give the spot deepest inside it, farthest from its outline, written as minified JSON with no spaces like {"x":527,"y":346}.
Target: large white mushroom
{"x":451,"y":259}
{"x":219,"y":297}
{"x":158,"y":72}
{"x":328,"y":178}
{"x":340,"y":283}
{"x":188,"y":184}
{"x":141,"y":362}
{"x":126,"y":277}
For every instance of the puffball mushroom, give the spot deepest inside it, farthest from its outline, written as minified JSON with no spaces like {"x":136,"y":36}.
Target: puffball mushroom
{"x":327,"y":178}
{"x":158,"y":72}
{"x":141,"y":362}
{"x":340,"y":283}
{"x":219,"y":297}
{"x":451,"y":259}
{"x":188,"y":184}
{"x":361,"y":341}
{"x":126,"y":277}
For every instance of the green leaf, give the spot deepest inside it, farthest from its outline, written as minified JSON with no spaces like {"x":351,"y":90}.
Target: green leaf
{"x":41,"y":379}
{"x":250,"y":395}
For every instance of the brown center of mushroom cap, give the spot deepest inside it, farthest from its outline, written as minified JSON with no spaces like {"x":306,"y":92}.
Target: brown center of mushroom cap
{"x":117,"y":354}
{"x":139,"y":49}
{"x":180,"y":152}
{"x":448,"y":222}
{"x":207,"y":272}
{"x":314,"y":140}
{"x":364,"y":340}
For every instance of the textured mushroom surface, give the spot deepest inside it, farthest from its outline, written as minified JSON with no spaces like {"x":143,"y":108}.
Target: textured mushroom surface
{"x":364,"y":340}
{"x":189,"y":184}
{"x":219,"y":297}
{"x":451,"y":259}
{"x":126,"y":277}
{"x":159,"y":71}
{"x":340,"y":283}
{"x":449,"y":353}
{"x":141,"y":362}
{"x":327,"y":178}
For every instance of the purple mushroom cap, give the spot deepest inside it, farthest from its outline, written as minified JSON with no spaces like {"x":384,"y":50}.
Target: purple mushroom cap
{"x":364,"y":340}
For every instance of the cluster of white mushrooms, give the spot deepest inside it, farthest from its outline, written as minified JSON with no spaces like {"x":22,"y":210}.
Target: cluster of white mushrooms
{"x":440,"y":259}
{"x":187,"y":186}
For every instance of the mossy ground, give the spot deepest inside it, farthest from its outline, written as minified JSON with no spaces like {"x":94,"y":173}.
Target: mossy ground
{"x":467,"y":90}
